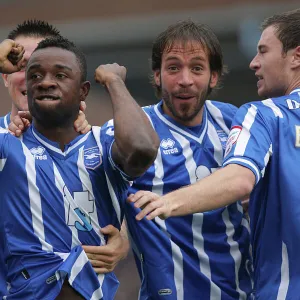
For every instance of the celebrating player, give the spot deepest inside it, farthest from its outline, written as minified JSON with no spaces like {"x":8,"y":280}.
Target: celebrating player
{"x":201,"y":256}
{"x":262,"y":160}
{"x":58,"y":187}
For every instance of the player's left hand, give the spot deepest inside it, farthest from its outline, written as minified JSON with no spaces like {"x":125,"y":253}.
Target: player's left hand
{"x":105,"y":258}
{"x":152,"y":205}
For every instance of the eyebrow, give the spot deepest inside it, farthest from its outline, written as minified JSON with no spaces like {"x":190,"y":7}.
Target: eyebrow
{"x":176,"y":58}
{"x":62,"y":67}
{"x":58,"y":66}
{"x":261,"y":47}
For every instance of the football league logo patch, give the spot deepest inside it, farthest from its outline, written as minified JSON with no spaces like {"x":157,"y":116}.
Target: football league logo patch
{"x":232,"y":138}
{"x":92,"y":158}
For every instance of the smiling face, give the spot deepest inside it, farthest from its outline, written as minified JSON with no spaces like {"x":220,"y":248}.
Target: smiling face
{"x":271,"y":65}
{"x":185,"y":79}
{"x":16,"y":83}
{"x":54,"y":86}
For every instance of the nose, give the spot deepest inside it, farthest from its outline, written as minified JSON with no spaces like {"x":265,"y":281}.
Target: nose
{"x":47,"y":83}
{"x":186,"y":78}
{"x":254,"y":64}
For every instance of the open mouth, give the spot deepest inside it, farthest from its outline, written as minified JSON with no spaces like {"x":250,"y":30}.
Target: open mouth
{"x":185,"y":97}
{"x":47,"y":98}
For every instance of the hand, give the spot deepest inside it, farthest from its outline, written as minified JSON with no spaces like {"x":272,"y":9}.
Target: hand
{"x":11,"y":54}
{"x":20,"y":123}
{"x":151,"y":205}
{"x":105,"y":258}
{"x":81,"y":124}
{"x":104,"y":74}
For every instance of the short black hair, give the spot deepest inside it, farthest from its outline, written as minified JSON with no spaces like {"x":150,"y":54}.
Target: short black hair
{"x":188,"y":31}
{"x":63,"y":43}
{"x":287,"y":26}
{"x":34,"y":28}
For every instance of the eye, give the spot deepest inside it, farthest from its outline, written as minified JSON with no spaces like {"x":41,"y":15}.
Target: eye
{"x":60,"y":76}
{"x":35,"y":76}
{"x":173,"y":68}
{"x":197,"y":69}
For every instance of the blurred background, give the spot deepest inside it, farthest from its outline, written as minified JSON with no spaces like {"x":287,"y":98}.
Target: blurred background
{"x":123,"y":31}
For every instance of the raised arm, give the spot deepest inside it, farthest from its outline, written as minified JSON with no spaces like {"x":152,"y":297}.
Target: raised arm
{"x":136,"y":142}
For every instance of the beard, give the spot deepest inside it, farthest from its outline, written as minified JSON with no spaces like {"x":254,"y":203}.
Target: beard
{"x":186,"y":111}
{"x":54,"y":116}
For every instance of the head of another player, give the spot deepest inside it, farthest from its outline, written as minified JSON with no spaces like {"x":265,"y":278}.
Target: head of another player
{"x":29,"y":34}
{"x":187,"y":64}
{"x":56,"y":82}
{"x":277,"y":62}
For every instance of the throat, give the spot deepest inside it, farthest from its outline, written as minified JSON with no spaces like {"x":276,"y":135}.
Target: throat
{"x":61,"y":135}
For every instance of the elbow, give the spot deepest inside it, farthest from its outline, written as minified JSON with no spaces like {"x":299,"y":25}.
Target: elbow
{"x":142,"y":158}
{"x":244,"y":188}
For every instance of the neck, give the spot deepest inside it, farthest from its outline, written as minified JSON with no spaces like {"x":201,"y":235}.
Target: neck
{"x":293,"y":86}
{"x":61,"y":135}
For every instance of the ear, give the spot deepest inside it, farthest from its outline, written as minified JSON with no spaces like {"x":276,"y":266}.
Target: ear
{"x":214,"y":78}
{"x":296,"y":58}
{"x":4,"y":76}
{"x":84,"y":90}
{"x":156,"y":77}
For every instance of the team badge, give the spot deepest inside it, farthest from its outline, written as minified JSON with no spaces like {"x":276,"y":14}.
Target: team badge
{"x":232,"y":138}
{"x":92,"y":158}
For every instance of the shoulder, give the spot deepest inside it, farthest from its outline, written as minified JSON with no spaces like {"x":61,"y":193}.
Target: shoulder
{"x":216,"y":108}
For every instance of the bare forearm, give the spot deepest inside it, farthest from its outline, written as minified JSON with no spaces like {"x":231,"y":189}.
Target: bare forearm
{"x":136,"y":140}
{"x":222,"y":188}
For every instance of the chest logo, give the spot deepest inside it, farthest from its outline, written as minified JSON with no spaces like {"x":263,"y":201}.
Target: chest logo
{"x":92,"y":158}
{"x":38,"y":153}
{"x":168,"y":146}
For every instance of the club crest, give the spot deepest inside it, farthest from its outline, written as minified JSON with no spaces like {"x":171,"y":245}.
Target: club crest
{"x":92,"y":158}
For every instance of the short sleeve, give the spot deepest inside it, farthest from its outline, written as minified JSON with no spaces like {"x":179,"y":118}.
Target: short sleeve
{"x":249,"y":143}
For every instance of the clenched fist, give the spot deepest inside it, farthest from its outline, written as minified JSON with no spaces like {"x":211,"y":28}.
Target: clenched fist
{"x":11,"y":54}
{"x":104,"y":74}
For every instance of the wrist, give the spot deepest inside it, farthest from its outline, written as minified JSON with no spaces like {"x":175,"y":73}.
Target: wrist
{"x":112,"y":79}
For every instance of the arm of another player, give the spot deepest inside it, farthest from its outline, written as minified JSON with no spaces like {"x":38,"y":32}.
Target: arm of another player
{"x":136,"y":142}
{"x":22,"y":121}
{"x":105,"y":258}
{"x":225,"y":186}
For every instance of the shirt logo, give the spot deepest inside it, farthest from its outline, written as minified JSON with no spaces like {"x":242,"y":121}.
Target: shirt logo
{"x":165,"y":292}
{"x":168,"y":146}
{"x":92,"y":158}
{"x":38,"y":153}
{"x":232,"y":138}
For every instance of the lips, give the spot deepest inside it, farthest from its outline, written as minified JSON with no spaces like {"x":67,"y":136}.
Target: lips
{"x":47,"y":97}
{"x":184,"y":96}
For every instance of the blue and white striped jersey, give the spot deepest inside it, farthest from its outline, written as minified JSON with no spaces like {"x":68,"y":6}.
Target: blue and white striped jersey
{"x":51,"y":202}
{"x":266,"y":139}
{"x":5,"y":120}
{"x":200,"y":256}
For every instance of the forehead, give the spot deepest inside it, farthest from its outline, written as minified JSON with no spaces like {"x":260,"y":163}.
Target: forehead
{"x":185,"y":49}
{"x":29,"y":43}
{"x":269,"y":37}
{"x":49,"y":57}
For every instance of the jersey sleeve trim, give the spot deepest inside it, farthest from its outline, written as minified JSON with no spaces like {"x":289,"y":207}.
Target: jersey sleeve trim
{"x":245,"y":163}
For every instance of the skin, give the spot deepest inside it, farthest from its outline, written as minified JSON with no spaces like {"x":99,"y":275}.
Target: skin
{"x":279,"y":74}
{"x":273,"y":67}
{"x":185,"y":78}
{"x":55,"y":90}
{"x":16,"y":82}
